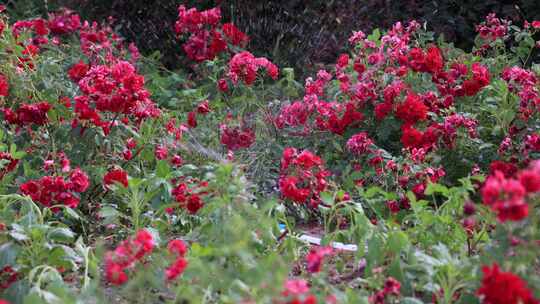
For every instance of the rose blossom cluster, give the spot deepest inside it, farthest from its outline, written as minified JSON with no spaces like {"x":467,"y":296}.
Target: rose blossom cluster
{"x":531,"y":144}
{"x":7,"y":163}
{"x":161,"y":152}
{"x":175,"y":129}
{"x":244,"y":67}
{"x":28,"y":114}
{"x":413,"y":110}
{"x":315,"y":258}
{"x":452,"y":123}
{"x":404,"y":176}
{"x":189,"y":194}
{"x":478,"y":79}
{"x":373,"y":83}
{"x":508,"y":169}
{"x":205,"y":41}
{"x":235,"y":137}
{"x":462,"y":80}
{"x":500,"y":287}
{"x":60,"y":23}
{"x":297,"y":114}
{"x":4,"y":86}
{"x":391,"y":288}
{"x":445,"y":132}
{"x":415,"y":107}
{"x":360,"y":144}
{"x":332,"y":116}
{"x":56,"y":188}
{"x":202,"y":108}
{"x":8,"y":276}
{"x":37,"y":28}
{"x":524,"y":83}
{"x":207,"y":36}
{"x":64,"y":22}
{"x":116,"y":176}
{"x":394,"y":48}
{"x":77,"y":71}
{"x":100,"y":43}
{"x":493,"y":28}
{"x":415,"y":180}
{"x":116,"y":89}
{"x":127,"y":153}
{"x":296,"y":291}
{"x":303,"y":177}
{"x":337,"y":117}
{"x":429,"y":61}
{"x":177,"y":248}
{"x":507,"y":194}
{"x":126,"y":255}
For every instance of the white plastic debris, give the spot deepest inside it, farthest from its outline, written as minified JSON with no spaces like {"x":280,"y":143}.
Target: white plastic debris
{"x":336,"y":245}
{"x":313,"y":240}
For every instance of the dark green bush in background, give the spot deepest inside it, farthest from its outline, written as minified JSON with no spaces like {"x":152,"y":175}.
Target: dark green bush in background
{"x":297,"y":33}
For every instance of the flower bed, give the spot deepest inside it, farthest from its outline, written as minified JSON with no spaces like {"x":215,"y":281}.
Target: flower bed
{"x":122,"y":181}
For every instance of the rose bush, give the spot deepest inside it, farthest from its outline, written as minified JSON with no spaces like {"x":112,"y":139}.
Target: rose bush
{"x":122,"y":181}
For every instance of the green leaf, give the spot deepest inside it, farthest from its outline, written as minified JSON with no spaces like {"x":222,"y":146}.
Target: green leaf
{"x":398,"y":241}
{"x":396,"y":271}
{"x":410,"y":300}
{"x":64,"y":256}
{"x":12,"y":149}
{"x":375,"y":35}
{"x":71,"y":213}
{"x":327,"y":198}
{"x":8,"y":254}
{"x":38,"y":232}
{"x":18,"y":235}
{"x":436,"y":188}
{"x":197,"y":250}
{"x":375,"y":252}
{"x":134,"y":182}
{"x":190,"y":167}
{"x":372,"y":191}
{"x":33,"y":298}
{"x":61,"y":234}
{"x":163,"y":169}
{"x":108,"y":214}
{"x":18,"y":155}
{"x":49,"y":297}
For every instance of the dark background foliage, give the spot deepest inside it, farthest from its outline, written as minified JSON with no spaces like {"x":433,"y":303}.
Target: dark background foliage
{"x":297,"y":33}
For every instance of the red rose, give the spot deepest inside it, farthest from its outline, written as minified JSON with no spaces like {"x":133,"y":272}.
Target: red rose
{"x":434,"y":60}
{"x":236,"y":36}
{"x":4,"y":86}
{"x":203,"y":107}
{"x":116,"y":176}
{"x":78,"y":180}
{"x":192,"y":119}
{"x":223,"y":86}
{"x":499,"y":287}
{"x":177,"y":247}
{"x":78,"y":71}
{"x":412,"y":110}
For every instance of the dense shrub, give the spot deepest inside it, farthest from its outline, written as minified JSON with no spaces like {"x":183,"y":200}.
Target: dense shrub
{"x":300,"y":34}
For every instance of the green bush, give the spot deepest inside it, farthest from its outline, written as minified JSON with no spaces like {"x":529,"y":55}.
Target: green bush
{"x":297,"y":33}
